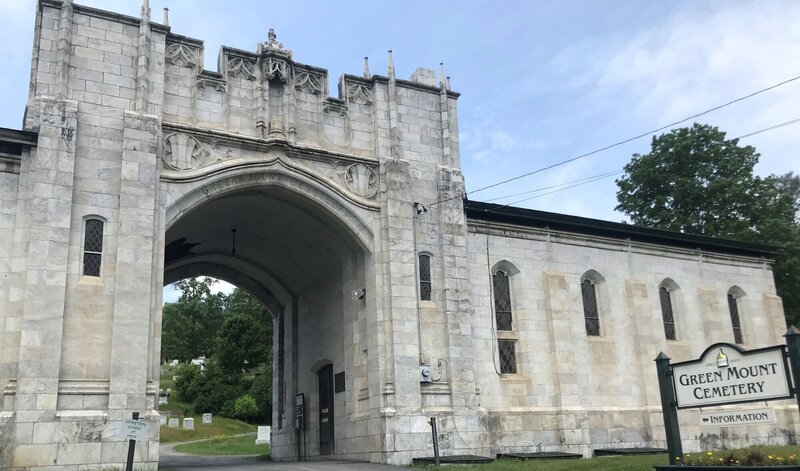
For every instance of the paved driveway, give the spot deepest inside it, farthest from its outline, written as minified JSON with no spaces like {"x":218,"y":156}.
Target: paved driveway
{"x":173,"y":461}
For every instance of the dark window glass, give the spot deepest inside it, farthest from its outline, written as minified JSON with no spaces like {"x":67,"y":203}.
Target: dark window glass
{"x":666,"y":313}
{"x":733,"y":306}
{"x":508,"y":357}
{"x":590,"y":315}
{"x":425,"y":277}
{"x":502,"y":300}
{"x":92,"y":247}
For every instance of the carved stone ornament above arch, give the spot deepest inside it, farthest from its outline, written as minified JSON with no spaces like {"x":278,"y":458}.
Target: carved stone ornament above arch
{"x":240,"y":67}
{"x":181,"y":55}
{"x":183,"y":152}
{"x":361,"y":180}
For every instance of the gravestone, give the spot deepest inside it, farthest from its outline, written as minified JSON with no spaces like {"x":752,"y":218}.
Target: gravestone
{"x":207,"y":418}
{"x":188,"y":423}
{"x":162,"y":420}
{"x":264,"y":432}
{"x":173,"y":423}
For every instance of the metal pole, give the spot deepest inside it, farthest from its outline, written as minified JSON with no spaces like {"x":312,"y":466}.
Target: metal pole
{"x":435,"y":440}
{"x":668,"y":408}
{"x":131,"y":447}
{"x":793,"y":348}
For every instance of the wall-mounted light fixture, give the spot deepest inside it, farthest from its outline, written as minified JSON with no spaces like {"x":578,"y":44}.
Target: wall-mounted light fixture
{"x":722,"y":359}
{"x":359,"y":293}
{"x":420,"y":208}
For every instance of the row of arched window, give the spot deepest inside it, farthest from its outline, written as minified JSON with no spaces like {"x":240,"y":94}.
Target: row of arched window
{"x":590,"y":281}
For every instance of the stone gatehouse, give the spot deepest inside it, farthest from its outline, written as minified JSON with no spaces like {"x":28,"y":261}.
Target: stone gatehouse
{"x":394,"y":300}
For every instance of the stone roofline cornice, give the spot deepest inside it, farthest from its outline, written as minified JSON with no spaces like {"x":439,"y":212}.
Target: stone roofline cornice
{"x":106,"y":15}
{"x":493,"y":213}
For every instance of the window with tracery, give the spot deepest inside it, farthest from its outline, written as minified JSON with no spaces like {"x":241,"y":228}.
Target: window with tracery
{"x":508,"y":356}
{"x":733,"y":307}
{"x":425,"y":286}
{"x":591,"y":316}
{"x":665,"y":295}
{"x":92,"y":247}
{"x":502,"y":300}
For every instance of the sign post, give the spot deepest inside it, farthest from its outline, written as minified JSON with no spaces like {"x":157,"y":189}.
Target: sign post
{"x":727,"y":374}
{"x":673,"y":433}
{"x":134,"y":430}
{"x":793,"y":346}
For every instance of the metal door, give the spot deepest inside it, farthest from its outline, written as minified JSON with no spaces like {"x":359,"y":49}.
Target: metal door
{"x":325,"y":376}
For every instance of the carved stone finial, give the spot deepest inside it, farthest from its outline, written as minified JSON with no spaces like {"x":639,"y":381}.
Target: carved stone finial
{"x":366,"y":67}
{"x":272,"y":41}
{"x":146,"y":9}
{"x":166,"y":16}
{"x":390,"y":71}
{"x":442,"y":78}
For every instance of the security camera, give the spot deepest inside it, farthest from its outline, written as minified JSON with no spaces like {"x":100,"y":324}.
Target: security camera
{"x":421,"y":209}
{"x":359,"y":293}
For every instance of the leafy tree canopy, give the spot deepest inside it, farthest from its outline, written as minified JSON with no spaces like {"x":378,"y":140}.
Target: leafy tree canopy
{"x":696,"y":181}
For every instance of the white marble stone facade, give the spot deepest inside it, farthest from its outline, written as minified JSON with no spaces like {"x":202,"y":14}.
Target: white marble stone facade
{"x":123,"y":125}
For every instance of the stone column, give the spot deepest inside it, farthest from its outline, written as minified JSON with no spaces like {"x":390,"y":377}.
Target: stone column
{"x":41,"y":327}
{"x":134,"y":290}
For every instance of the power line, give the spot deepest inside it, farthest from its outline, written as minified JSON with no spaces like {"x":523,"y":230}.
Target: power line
{"x":586,"y":179}
{"x":625,"y":141}
{"x":601,"y":176}
{"x":777,"y":126}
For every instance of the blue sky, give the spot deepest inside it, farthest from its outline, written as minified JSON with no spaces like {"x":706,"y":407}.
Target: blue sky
{"x":540,"y":81}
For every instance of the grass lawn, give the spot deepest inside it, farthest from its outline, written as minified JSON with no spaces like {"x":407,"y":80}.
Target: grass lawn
{"x":608,"y":463}
{"x":221,"y":427}
{"x":225,"y":446}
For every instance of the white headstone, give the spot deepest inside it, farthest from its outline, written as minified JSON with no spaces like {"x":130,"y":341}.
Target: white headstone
{"x":264,"y":432}
{"x":173,"y":423}
{"x":207,"y":418}
{"x":162,"y":420}
{"x":188,"y":423}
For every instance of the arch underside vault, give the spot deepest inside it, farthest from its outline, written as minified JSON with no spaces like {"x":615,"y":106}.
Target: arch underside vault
{"x":301,"y":260}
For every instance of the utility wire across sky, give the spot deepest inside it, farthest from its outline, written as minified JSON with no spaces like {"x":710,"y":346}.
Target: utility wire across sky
{"x":639,"y":136}
{"x":593,"y":178}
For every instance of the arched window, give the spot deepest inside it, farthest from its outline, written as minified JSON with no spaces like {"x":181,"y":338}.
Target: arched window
{"x":665,"y":294}
{"x":92,"y":247}
{"x":425,"y":286}
{"x":734,"y":294}
{"x":502,"y":300}
{"x":591,"y":310}
{"x":504,"y":321}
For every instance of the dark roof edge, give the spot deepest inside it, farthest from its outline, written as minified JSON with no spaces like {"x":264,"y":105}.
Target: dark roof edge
{"x":489,"y":212}
{"x":26,"y":138}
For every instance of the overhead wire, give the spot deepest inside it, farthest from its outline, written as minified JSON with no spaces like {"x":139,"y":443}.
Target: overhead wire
{"x":591,"y":179}
{"x":624,"y":141}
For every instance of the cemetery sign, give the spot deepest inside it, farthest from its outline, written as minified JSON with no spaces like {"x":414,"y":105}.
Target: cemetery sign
{"x":726,"y":374}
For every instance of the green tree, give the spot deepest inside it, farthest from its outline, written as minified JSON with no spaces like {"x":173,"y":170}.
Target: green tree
{"x":245,"y":407}
{"x":696,"y":181}
{"x":190,"y":325}
{"x":245,"y":338}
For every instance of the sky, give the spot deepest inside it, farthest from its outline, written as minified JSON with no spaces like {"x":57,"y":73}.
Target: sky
{"x":540,"y":82}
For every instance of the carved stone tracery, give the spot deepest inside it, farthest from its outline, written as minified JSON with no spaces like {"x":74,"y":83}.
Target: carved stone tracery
{"x":275,"y":67}
{"x":240,"y":67}
{"x":208,"y":82}
{"x":308,"y":82}
{"x":183,"y":152}
{"x":181,"y":55}
{"x":359,"y":93}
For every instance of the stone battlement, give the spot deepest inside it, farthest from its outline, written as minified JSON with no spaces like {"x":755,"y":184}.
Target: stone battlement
{"x":125,"y":63}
